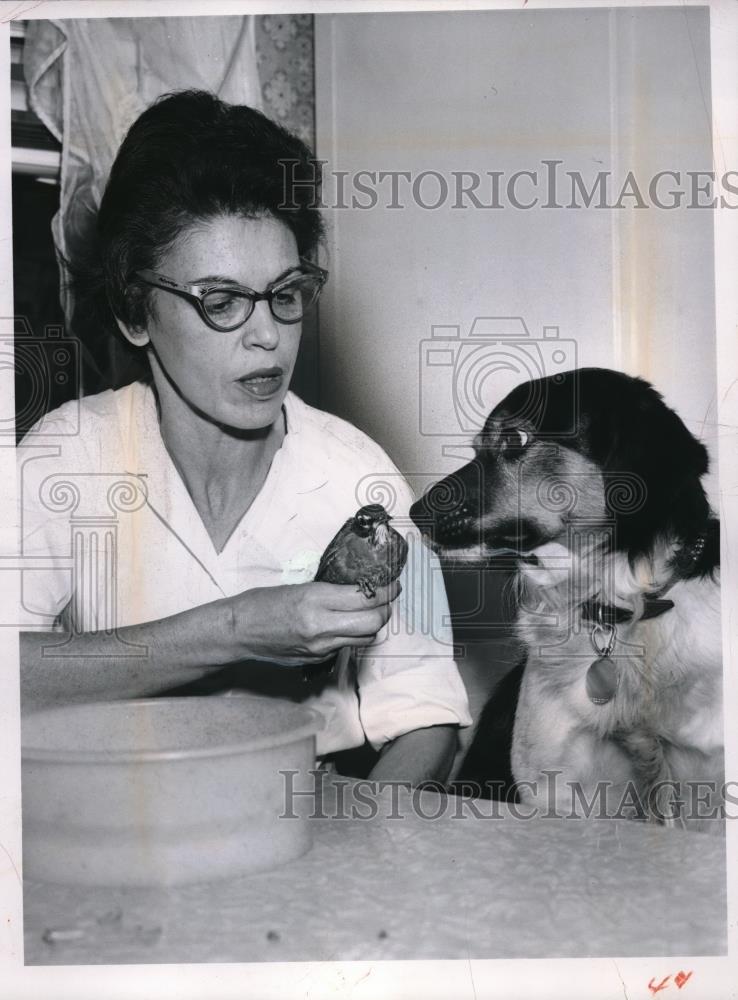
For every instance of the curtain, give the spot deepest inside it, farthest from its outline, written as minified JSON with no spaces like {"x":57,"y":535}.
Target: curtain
{"x":89,"y":79}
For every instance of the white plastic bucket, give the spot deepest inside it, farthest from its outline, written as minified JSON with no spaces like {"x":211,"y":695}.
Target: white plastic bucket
{"x":164,"y":791}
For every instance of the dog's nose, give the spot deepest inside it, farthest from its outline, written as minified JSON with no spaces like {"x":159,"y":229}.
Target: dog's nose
{"x":437,"y":503}
{"x":442,"y":512}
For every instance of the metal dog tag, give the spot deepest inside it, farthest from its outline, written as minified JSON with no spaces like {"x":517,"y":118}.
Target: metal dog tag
{"x":602,"y":677}
{"x":602,"y":681}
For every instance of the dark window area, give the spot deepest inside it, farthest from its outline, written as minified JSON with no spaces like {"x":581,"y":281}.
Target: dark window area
{"x":53,"y":363}
{"x":38,"y":314}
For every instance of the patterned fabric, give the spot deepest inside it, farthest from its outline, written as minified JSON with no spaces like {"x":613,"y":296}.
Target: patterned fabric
{"x":284,"y":59}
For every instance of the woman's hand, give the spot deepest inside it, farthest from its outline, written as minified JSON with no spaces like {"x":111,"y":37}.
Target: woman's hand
{"x":306,"y":623}
{"x":303,"y":623}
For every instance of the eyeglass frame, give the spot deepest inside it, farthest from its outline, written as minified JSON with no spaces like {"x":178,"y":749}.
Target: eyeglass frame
{"x":195,"y":293}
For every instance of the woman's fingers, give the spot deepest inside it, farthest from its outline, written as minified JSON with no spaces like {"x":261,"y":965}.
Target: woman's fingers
{"x":354,"y":619}
{"x":360,"y":640}
{"x":347,"y":597}
{"x":309,"y":621}
{"x":360,"y":623}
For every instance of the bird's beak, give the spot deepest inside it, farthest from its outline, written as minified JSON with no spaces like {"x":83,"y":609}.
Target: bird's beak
{"x":380,"y":531}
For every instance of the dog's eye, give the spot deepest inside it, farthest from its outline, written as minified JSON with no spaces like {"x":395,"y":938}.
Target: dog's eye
{"x":515,"y":440}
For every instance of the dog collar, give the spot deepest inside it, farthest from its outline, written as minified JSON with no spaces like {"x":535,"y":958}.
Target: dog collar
{"x":611,"y":614}
{"x":654,"y":604}
{"x":603,"y":675}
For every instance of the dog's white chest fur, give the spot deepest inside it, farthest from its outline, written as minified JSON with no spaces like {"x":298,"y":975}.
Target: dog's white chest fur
{"x":663,"y":722}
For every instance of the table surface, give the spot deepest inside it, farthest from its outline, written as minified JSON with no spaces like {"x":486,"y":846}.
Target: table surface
{"x":458,"y":886}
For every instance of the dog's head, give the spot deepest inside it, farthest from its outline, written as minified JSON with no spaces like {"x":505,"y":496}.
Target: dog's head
{"x":587,"y":449}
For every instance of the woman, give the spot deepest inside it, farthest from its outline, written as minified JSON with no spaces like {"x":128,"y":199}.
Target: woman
{"x":213,"y":490}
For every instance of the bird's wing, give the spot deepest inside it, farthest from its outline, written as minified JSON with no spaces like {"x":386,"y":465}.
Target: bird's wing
{"x":330,"y":558}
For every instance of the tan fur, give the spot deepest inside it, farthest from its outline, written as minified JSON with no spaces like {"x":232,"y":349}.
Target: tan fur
{"x":550,"y":485}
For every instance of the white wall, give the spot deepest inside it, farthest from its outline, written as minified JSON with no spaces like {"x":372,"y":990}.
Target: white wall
{"x":502,"y":91}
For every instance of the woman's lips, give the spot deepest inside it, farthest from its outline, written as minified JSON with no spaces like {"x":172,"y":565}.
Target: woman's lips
{"x":263,"y":383}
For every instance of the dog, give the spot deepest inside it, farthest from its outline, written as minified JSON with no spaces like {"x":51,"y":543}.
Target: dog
{"x":592,"y":485}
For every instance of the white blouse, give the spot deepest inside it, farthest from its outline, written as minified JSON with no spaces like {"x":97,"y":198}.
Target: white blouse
{"x":109,"y":533}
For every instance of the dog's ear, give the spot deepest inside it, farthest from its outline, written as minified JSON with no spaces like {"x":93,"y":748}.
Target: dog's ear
{"x":652,"y":464}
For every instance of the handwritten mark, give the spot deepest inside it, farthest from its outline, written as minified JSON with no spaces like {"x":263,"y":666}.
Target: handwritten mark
{"x":680,"y":979}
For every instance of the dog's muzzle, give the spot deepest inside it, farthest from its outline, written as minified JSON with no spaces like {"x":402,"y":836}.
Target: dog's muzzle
{"x":445,"y":516}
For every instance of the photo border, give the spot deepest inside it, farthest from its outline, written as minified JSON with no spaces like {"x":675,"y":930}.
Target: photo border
{"x":568,"y":978}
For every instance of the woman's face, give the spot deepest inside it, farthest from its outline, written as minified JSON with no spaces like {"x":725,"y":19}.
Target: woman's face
{"x":239,"y":378}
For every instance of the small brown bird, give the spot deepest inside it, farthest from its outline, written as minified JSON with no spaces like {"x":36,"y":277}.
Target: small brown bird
{"x":366,"y":551}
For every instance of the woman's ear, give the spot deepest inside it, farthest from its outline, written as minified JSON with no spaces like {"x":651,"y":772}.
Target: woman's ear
{"x":134,"y":335}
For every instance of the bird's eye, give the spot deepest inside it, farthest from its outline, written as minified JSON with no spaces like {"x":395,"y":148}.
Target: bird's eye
{"x":523,"y":437}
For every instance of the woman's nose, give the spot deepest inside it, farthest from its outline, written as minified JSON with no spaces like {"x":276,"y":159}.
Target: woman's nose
{"x":261,"y":329}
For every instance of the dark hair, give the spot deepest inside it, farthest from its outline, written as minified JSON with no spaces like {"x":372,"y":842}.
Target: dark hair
{"x":190,"y":157}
